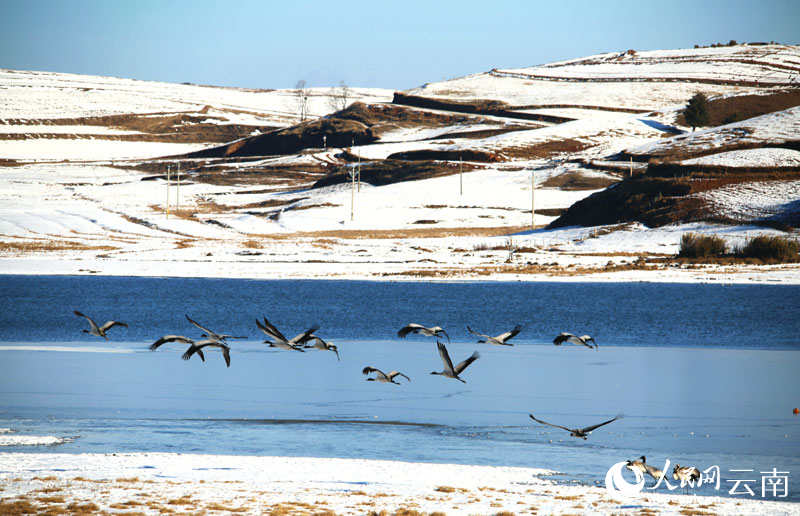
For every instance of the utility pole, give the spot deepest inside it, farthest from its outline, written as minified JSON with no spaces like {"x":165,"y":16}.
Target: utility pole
{"x":352,"y":192}
{"x":178,"y":190}
{"x":167,"y":191}
{"x":352,"y":183}
{"x":359,"y":169}
{"x":533,"y":195}
{"x":461,"y":174}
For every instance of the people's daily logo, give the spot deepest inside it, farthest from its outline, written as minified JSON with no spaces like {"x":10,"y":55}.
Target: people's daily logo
{"x":617,"y":485}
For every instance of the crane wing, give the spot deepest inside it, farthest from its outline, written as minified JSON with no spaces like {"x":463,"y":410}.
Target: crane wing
{"x":405,"y":330}
{"x":563,"y":337}
{"x":463,"y":365}
{"x":305,"y":336}
{"x":206,"y":330}
{"x":590,"y":428}
{"x":448,"y":364}
{"x":111,"y":324}
{"x":510,"y":334}
{"x":550,"y":424}
{"x":476,"y":333}
{"x":169,"y":338}
{"x":392,"y":374}
{"x":91,"y":322}
{"x":271,"y":330}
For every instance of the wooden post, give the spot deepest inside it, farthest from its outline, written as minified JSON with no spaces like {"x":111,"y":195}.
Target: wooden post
{"x":352,"y":182}
{"x":533,"y":195}
{"x":461,"y":174}
{"x":178,"y":190}
{"x":167,"y":191}
{"x":359,"y":170}
{"x":352,"y":192}
{"x":630,"y":172}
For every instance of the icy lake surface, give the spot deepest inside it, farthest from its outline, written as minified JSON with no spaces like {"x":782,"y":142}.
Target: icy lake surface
{"x":706,"y":375}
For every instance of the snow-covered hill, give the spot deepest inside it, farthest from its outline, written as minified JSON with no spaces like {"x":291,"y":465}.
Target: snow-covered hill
{"x":83,"y":172}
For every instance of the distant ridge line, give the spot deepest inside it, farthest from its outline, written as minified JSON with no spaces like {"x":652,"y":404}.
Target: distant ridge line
{"x":719,"y":82}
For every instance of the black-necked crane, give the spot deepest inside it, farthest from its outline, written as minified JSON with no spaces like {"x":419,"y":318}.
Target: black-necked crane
{"x":198,"y":346}
{"x":318,"y":343}
{"x":281,"y":342}
{"x":449,"y":370}
{"x":577,"y":432}
{"x":435,"y":331}
{"x":500,"y":340}
{"x":218,"y":337}
{"x":175,"y":338}
{"x":380,"y":376}
{"x":583,"y":340}
{"x":99,"y":331}
{"x":644,"y":467}
{"x":686,"y":474}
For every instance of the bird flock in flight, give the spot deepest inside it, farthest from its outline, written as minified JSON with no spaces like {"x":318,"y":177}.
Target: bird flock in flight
{"x":308,"y":340}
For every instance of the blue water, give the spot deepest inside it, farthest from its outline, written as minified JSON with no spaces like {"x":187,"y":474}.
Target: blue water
{"x":39,"y":309}
{"x":705,"y":374}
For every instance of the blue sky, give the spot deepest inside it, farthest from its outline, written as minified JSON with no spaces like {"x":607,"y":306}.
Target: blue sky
{"x":375,"y":43}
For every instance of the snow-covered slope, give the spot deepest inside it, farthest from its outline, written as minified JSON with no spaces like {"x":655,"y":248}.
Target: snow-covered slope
{"x":563,"y":126}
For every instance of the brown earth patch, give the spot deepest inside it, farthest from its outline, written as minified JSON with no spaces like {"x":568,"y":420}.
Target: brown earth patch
{"x":488,"y":107}
{"x":748,"y":106}
{"x":153,"y":127}
{"x":384,"y":172}
{"x":423,"y":232}
{"x":400,"y":116}
{"x":575,"y":180}
{"x":658,"y":201}
{"x":546,"y":149}
{"x":448,"y":155}
{"x":48,"y":246}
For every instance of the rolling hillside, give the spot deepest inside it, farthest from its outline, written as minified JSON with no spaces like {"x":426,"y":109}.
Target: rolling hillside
{"x":445,"y":171}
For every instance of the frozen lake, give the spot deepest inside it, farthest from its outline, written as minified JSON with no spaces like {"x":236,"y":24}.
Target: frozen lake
{"x":705,"y":374}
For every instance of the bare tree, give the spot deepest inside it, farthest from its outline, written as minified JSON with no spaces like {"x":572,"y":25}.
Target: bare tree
{"x":301,"y":99}
{"x":338,"y":97}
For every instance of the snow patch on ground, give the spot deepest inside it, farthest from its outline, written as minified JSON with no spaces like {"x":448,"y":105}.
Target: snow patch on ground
{"x":33,"y":440}
{"x":762,"y":200}
{"x":257,"y":485}
{"x":756,"y":158}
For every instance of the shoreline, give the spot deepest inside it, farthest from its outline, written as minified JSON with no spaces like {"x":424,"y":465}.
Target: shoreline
{"x":152,"y":483}
{"x":785,"y":274}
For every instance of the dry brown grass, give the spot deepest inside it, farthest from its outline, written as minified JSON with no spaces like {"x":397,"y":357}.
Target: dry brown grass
{"x":126,"y":505}
{"x":546,"y":149}
{"x":424,"y":232}
{"x":448,"y":489}
{"x":568,"y":497}
{"x":213,"y":506}
{"x":575,"y":181}
{"x":48,"y":246}
{"x":183,"y":500}
{"x":688,"y":511}
{"x":51,"y":499}
{"x":47,"y":490}
{"x":17,"y":507}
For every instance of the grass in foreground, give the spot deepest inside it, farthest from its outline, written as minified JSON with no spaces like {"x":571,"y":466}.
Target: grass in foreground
{"x":763,"y":248}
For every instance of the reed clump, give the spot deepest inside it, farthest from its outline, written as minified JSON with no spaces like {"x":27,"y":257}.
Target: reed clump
{"x":763,"y":249}
{"x":695,"y":245}
{"x":770,"y":249}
